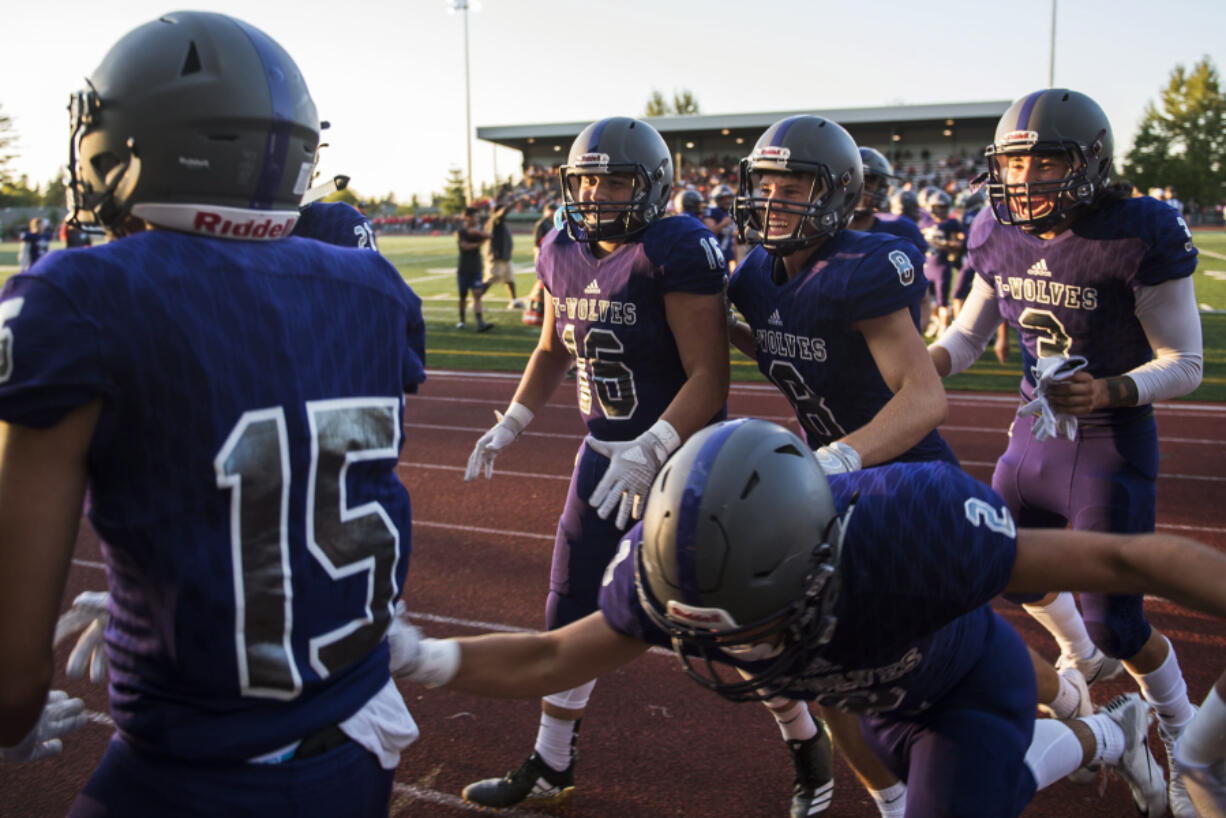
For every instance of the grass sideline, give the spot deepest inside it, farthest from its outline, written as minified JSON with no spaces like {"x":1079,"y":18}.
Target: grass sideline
{"x":427,"y":263}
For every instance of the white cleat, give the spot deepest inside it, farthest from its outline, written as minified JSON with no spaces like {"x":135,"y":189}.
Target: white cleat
{"x":1180,"y":800}
{"x":1137,"y":765}
{"x":1099,"y":667}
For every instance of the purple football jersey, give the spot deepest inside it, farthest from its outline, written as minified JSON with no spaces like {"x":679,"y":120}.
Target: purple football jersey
{"x":242,"y":473}
{"x":610,"y":314}
{"x":1074,"y":294}
{"x":803,"y":330}
{"x":925,"y":550}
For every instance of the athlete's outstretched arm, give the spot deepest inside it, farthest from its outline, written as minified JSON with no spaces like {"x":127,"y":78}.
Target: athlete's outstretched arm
{"x":42,"y":487}
{"x":968,"y":336}
{"x":548,"y":364}
{"x":1181,"y":570}
{"x":919,"y":403}
{"x":519,"y":665}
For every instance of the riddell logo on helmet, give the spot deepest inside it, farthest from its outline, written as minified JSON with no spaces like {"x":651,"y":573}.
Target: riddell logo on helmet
{"x":713,"y":618}
{"x":601,"y":159}
{"x":214,"y":224}
{"x":1020,"y":138}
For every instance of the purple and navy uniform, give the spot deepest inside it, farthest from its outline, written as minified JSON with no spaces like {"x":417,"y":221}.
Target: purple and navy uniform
{"x":335,"y":223}
{"x":610,"y":314}
{"x":242,"y":480}
{"x":1074,"y":295}
{"x":805,"y":339}
{"x":34,"y":246}
{"x":966,"y":273}
{"x":944,"y":685}
{"x":897,"y":224}
{"x":938,"y":267}
{"x":727,"y":234}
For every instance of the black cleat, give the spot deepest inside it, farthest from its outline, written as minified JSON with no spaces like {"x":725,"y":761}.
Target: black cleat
{"x":484,"y":326}
{"x":535,"y":783}
{"x":813,"y":760}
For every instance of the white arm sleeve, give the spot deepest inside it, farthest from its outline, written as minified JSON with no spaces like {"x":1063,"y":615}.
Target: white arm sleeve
{"x":968,"y":336}
{"x":1171,"y":321}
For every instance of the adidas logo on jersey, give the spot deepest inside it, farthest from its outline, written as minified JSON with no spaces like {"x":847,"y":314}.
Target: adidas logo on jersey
{"x":1039,"y":268}
{"x":775,"y":320}
{"x":592,"y":288}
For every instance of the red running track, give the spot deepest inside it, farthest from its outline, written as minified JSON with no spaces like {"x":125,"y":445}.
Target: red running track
{"x":653,"y":743}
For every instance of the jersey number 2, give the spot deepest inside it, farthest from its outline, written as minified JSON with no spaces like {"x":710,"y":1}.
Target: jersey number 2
{"x":253,"y":465}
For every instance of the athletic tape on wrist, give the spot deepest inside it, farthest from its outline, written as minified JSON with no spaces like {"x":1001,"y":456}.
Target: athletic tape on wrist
{"x":439,"y":662}
{"x":518,"y":415}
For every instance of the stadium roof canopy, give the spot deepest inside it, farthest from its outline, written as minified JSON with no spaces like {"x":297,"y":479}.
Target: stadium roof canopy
{"x":947,"y":127}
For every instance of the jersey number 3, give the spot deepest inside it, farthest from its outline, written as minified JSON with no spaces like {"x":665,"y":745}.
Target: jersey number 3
{"x":253,"y":465}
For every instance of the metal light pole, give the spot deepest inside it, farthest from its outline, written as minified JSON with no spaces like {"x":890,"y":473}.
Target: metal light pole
{"x":1051,"y":65}
{"x":462,"y":6}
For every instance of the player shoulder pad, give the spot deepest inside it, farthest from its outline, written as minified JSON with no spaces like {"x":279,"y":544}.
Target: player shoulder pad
{"x":682,"y":242}
{"x":981,"y":228}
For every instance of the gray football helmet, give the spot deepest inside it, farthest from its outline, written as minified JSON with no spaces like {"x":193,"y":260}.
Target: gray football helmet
{"x":905,"y":203}
{"x":878,"y":179}
{"x":1054,"y":121}
{"x":803,"y":144}
{"x":195,"y":121}
{"x":939,"y":200}
{"x":740,"y":551}
{"x":690,"y":201}
{"x":616,"y":145}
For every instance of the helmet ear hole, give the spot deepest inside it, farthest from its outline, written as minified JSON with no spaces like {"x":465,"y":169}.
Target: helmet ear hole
{"x":750,"y":485}
{"x":104,"y":163}
{"x":191,"y":63}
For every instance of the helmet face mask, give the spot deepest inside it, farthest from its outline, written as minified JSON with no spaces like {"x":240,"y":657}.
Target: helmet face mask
{"x":738,"y":563}
{"x":813,"y":148}
{"x":1053,"y":128}
{"x":690,"y":201}
{"x":615,"y":147}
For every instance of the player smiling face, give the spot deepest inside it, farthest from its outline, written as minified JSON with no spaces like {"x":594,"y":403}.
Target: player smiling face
{"x":1033,"y":170}
{"x":784,"y":198}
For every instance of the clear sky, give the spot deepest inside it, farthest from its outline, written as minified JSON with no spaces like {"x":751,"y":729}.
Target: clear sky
{"x":390,"y":75}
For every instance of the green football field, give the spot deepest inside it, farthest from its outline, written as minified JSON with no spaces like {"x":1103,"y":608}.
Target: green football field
{"x":428,"y":265}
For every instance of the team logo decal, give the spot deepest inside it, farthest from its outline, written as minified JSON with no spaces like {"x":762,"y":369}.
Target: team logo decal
{"x":902,"y":266}
{"x":1013,"y":138}
{"x":772,"y":153}
{"x":588,"y":159}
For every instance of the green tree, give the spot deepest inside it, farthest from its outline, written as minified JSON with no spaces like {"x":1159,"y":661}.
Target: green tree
{"x":1182,"y":142}
{"x":19,"y":193}
{"x":349,"y":196}
{"x":8,"y":142}
{"x":684,"y":102}
{"x":454,"y":196}
{"x":656,"y":105}
{"x":57,"y":188}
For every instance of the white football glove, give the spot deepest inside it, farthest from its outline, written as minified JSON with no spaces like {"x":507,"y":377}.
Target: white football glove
{"x":61,"y":715}
{"x":500,"y":435}
{"x":89,"y":614}
{"x":632,"y":466}
{"x":1047,"y":370}
{"x":431,"y":662}
{"x":837,"y":458}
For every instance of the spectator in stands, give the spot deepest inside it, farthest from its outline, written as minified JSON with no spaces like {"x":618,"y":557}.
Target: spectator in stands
{"x":469,"y":269}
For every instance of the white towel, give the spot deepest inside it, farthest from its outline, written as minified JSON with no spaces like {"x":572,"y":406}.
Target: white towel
{"x":1047,"y":370}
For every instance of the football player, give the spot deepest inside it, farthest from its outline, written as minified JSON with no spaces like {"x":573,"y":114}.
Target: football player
{"x":946,"y":239}
{"x":872,"y":213}
{"x":830,"y":317}
{"x":636,"y":302}
{"x":1081,"y":269}
{"x":868,"y":592}
{"x":718,"y":219}
{"x":689,"y":202}
{"x":232,"y":398}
